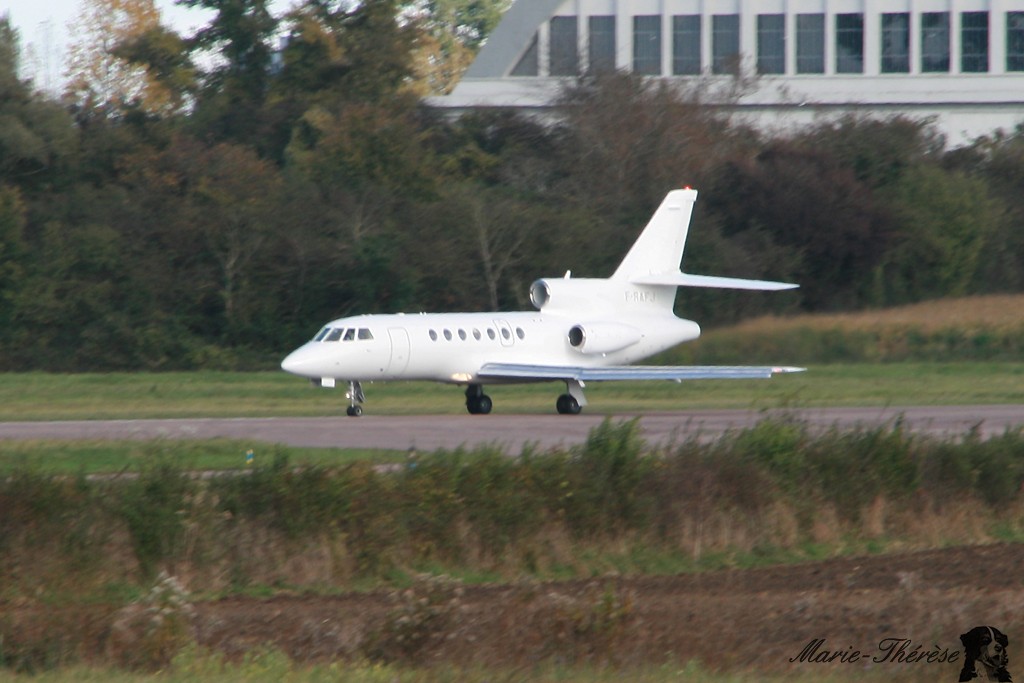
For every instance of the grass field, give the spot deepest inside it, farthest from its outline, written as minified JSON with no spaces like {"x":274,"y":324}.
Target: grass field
{"x":112,"y":457}
{"x":41,"y":396}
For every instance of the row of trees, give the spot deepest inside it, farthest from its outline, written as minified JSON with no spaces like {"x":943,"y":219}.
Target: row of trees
{"x":220,"y":220}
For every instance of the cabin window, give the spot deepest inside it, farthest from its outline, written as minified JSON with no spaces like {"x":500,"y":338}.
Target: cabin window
{"x":490,"y":333}
{"x":335,"y":334}
{"x":476,"y":334}
{"x":321,"y":334}
{"x":505,"y":333}
{"x":433,"y":335}
{"x":462,"y":335}
{"x":448,"y":335}
{"x":350,"y":334}
{"x":365,"y":334}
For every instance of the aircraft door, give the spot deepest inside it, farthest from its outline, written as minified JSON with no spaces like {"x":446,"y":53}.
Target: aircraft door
{"x":505,"y":333}
{"x":399,"y":350}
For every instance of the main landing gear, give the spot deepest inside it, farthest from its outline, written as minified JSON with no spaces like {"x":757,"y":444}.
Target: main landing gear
{"x":356,"y":397}
{"x":569,"y":403}
{"x":573,"y":400}
{"x":477,"y":402}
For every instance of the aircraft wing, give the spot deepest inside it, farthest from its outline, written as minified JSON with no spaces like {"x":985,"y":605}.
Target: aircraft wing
{"x":613,"y":373}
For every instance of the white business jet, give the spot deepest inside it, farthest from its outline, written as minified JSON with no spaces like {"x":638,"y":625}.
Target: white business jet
{"x":585,"y":330}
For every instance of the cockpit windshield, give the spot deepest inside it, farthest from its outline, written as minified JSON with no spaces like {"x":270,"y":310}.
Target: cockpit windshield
{"x":333,"y":334}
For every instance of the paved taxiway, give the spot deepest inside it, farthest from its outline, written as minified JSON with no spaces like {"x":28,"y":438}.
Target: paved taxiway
{"x":430,"y":432}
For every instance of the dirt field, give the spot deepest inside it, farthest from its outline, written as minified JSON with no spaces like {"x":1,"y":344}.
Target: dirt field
{"x":748,"y":619}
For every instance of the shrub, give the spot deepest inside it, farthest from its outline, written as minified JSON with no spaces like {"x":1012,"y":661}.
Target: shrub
{"x":419,"y":619}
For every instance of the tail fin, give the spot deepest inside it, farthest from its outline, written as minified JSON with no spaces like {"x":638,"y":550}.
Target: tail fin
{"x":654,"y":258}
{"x":659,"y":249}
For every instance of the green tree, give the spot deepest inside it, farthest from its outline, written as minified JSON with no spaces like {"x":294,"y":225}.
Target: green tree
{"x":234,"y":91}
{"x":877,"y":150}
{"x":799,"y":215}
{"x":165,"y":57}
{"x":12,"y":253}
{"x":37,"y":138}
{"x":998,"y":161}
{"x":943,"y":222}
{"x":334,"y":54}
{"x":365,"y":160}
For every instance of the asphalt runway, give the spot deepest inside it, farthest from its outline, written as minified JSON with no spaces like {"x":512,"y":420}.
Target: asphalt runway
{"x":511,"y":432}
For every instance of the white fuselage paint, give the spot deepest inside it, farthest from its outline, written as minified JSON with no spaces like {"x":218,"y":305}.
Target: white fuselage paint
{"x":403,"y":348}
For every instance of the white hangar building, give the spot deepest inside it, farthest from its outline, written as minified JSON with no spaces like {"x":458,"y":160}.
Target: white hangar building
{"x":959,"y":61}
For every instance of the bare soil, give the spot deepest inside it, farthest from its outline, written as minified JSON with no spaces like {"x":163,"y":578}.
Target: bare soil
{"x":749,"y":619}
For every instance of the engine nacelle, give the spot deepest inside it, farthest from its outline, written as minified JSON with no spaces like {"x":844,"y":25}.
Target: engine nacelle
{"x":602,"y":338}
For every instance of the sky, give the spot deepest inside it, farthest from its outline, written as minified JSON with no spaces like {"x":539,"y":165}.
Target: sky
{"x":43,"y":28}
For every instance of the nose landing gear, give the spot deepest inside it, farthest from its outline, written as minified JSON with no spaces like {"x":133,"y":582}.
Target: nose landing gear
{"x":356,"y":397}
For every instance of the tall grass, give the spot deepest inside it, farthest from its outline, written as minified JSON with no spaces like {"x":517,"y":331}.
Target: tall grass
{"x":951,"y":330}
{"x":777,"y":486}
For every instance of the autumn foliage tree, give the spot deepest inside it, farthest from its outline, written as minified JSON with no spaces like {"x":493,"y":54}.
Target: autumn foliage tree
{"x":99,"y":78}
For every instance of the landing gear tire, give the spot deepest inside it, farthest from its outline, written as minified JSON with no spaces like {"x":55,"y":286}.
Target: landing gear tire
{"x":354,"y":411}
{"x":567,"y":405}
{"x":477,"y":402}
{"x":479,"y":405}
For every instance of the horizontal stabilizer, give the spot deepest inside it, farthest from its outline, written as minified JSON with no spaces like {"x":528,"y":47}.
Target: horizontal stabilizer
{"x":685,"y":280}
{"x":629,"y":372}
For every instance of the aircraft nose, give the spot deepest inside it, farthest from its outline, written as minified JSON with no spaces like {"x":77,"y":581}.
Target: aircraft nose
{"x":290,"y":363}
{"x":301,"y":362}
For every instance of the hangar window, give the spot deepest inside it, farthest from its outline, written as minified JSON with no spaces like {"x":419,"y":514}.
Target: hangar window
{"x":529,"y":63}
{"x":810,"y":43}
{"x":771,"y":43}
{"x":850,"y":43}
{"x":896,"y":43}
{"x":601,"y":47}
{"x":686,"y":44}
{"x":350,"y":334}
{"x":433,"y":335}
{"x":974,"y":42}
{"x":725,"y":43}
{"x":335,"y":334}
{"x":647,"y":45}
{"x":564,"y":51}
{"x":365,"y":334}
{"x":1015,"y":41}
{"x":935,"y":42}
